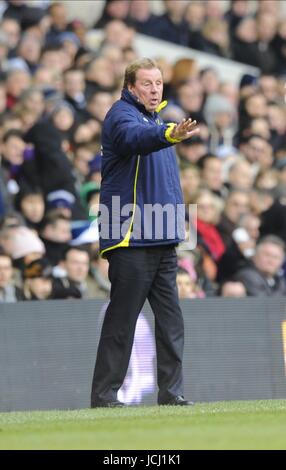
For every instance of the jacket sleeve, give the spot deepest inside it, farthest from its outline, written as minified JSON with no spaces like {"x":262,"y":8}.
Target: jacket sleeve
{"x":130,"y":137}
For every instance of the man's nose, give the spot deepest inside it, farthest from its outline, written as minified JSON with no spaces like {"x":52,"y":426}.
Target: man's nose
{"x":154,"y":88}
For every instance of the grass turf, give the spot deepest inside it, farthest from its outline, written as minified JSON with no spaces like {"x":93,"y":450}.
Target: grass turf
{"x":222,"y":425}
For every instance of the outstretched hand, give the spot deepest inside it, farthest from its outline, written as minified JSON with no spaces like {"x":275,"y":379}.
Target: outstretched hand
{"x":186,"y":129}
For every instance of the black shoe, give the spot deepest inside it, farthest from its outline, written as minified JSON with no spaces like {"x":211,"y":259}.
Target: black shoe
{"x":108,"y":404}
{"x":178,"y":401}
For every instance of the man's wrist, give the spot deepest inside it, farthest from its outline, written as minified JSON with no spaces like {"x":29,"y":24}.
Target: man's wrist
{"x":168,"y":133}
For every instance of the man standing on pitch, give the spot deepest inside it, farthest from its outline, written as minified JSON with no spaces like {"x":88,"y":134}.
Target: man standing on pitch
{"x":139,"y":171}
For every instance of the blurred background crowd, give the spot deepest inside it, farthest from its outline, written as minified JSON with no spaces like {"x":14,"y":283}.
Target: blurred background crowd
{"x":55,"y":90}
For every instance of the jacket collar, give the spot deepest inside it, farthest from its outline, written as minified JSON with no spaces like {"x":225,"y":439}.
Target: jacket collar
{"x":126,"y":95}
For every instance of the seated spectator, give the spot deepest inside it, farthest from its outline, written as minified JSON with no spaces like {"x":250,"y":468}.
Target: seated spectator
{"x":191,"y":150}
{"x":99,"y":75}
{"x":20,"y":242}
{"x":55,"y":232}
{"x":75,"y":264}
{"x":29,"y":49}
{"x":87,"y":133}
{"x":58,"y":22}
{"x":190,"y":98}
{"x":238,"y":10}
{"x":21,"y":12}
{"x":215,"y":38}
{"x":268,"y":85}
{"x":264,"y":277}
{"x":172,"y":26}
{"x":266,"y":58}
{"x":267,"y":179}
{"x":230,"y":92}
{"x":74,"y":88}
{"x":71,"y":44}
{"x":236,"y":205}
{"x":18,"y":80}
{"x":120,"y":34}
{"x":11,"y":28}
{"x":60,"y":202}
{"x":221,"y":118}
{"x":210,"y":81}
{"x":31,"y":204}
{"x":212,"y":174}
{"x":53,"y":167}
{"x":83,"y":156}
{"x":253,"y":107}
{"x":142,"y":17}
{"x":38,"y":280}
{"x":209,"y":210}
{"x":240,"y":176}
{"x":259,"y":126}
{"x":113,"y":9}
{"x":214,"y":9}
{"x":8,"y":291}
{"x":186,"y":287}
{"x":18,"y":163}
{"x":244,"y":41}
{"x":184,"y":71}
{"x":195,"y":16}
{"x":241,"y":249}
{"x":54,"y":58}
{"x":63,"y":119}
{"x":254,"y":148}
{"x":98,"y":105}
{"x":271,"y":212}
{"x":233,"y":289}
{"x":190,"y":182}
{"x":32,"y":100}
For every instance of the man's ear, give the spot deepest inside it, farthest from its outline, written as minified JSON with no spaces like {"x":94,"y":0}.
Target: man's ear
{"x":130,"y":88}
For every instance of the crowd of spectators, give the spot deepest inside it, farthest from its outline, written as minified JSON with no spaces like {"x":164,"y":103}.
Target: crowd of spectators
{"x":54,"y":94}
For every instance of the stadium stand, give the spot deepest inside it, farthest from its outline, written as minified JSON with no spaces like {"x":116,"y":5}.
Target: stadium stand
{"x":61,"y":69}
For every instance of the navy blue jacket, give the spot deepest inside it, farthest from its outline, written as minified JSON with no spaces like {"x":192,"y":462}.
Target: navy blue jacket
{"x":139,"y":168}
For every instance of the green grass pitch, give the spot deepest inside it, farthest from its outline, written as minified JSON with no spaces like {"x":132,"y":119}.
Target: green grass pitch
{"x":221,"y":425}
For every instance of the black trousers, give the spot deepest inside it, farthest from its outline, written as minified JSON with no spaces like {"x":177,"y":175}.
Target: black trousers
{"x":137,"y":274}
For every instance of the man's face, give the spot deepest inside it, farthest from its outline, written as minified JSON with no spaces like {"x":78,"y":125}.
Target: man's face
{"x":236,"y":206}
{"x":212,"y":174}
{"x":148,"y":88}
{"x":269,"y":259}
{"x":33,"y":207}
{"x":77,"y":265}
{"x":74,"y":82}
{"x":13,"y":150}
{"x":59,"y":232}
